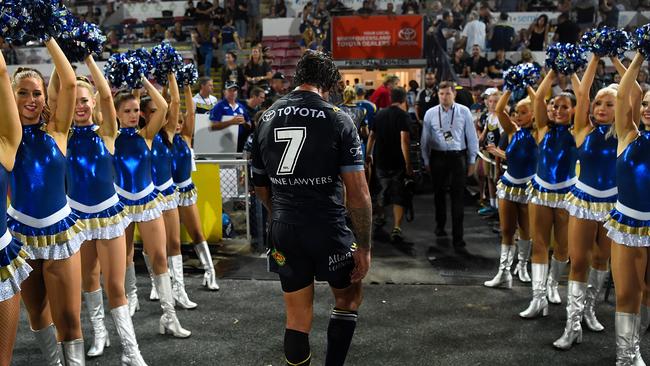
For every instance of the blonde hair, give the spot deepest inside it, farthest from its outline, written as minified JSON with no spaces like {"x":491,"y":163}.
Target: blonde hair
{"x":348,"y":94}
{"x":526,"y":101}
{"x":610,"y":90}
{"x":26,"y":73}
{"x":83,"y":82}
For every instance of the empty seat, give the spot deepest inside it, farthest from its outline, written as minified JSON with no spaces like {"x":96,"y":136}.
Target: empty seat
{"x":277,"y":53}
{"x":281,"y":44}
{"x":294,"y":52}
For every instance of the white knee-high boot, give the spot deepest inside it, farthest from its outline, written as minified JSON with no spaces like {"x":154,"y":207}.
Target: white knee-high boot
{"x":95,"y":307}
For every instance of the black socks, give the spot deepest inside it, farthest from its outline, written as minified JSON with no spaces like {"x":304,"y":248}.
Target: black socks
{"x":339,"y":336}
{"x":296,"y":348}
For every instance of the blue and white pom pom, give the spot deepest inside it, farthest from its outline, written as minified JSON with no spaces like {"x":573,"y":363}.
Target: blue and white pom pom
{"x":606,"y":41}
{"x":642,"y":40}
{"x":13,"y":20}
{"x":565,"y":58}
{"x":521,"y":76}
{"x":165,"y":60}
{"x":47,"y":18}
{"x":187,"y":75}
{"x":125,"y":70}
{"x":84,"y":39}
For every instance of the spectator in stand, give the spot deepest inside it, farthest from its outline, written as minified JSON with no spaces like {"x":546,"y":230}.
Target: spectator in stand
{"x":229,"y":112}
{"x":204,"y":100}
{"x":179,"y":33}
{"x":253,"y":19}
{"x":365,"y":8}
{"x":449,"y":148}
{"x":390,"y":9}
{"x":257,"y":71}
{"x":585,"y":11}
{"x":521,"y":42}
{"x":190,"y":10}
{"x":389,"y":154}
{"x":205,"y":41}
{"x":112,"y":44}
{"x":278,"y":89}
{"x":459,"y":63}
{"x":158,"y":33}
{"x":321,"y":10}
{"x":562,"y":84}
{"x":203,"y":11}
{"x":228,"y":37}
{"x":445,"y":31}
{"x":308,"y":41}
{"x":473,"y":33}
{"x":477,"y":64}
{"x":381,"y":96}
{"x":564,"y":6}
{"x":254,"y":101}
{"x":317,"y":26}
{"x":411,"y":99}
{"x":129,"y":35}
{"x":279,"y":9}
{"x":232,"y":71}
{"x":527,"y":57}
{"x":427,"y":98}
{"x":8,"y":52}
{"x":609,"y":12}
{"x":240,"y":15}
{"x":498,"y":64}
{"x":147,"y":35}
{"x":219,"y":15}
{"x":538,"y":33}
{"x":567,"y":31}
{"x":306,"y":16}
{"x":410,"y":7}
{"x":169,"y":36}
{"x":503,"y":34}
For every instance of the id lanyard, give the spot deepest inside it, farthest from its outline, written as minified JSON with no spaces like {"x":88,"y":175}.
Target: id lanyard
{"x":451,"y":123}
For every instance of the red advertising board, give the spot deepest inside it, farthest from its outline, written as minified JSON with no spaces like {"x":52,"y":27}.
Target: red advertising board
{"x":377,"y":37}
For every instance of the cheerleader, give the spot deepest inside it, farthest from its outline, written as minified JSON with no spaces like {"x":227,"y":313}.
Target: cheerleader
{"x":629,"y":222}
{"x":40,"y":217}
{"x":13,"y":267}
{"x":90,"y":164}
{"x":162,"y":157}
{"x":554,"y":178}
{"x":645,"y":126}
{"x":135,"y":187}
{"x":521,"y":155}
{"x":588,"y":204}
{"x":182,"y":174}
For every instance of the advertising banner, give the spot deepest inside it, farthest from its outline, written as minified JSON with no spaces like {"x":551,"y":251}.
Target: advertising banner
{"x":377,"y":37}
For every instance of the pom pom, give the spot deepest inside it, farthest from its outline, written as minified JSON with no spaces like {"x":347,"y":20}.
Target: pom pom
{"x":47,"y":18}
{"x":13,"y":20}
{"x":125,"y":70}
{"x":165,"y":60}
{"x":84,"y":39}
{"x":565,"y":58}
{"x":521,"y":76}
{"x":606,"y":41}
{"x":187,"y":75}
{"x":642,"y":40}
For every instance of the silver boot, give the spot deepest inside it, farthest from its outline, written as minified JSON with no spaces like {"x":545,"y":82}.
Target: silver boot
{"x":538,"y":305}
{"x":130,"y":352}
{"x":131,"y":289}
{"x":627,"y":330}
{"x":552,"y":284}
{"x":73,"y":353}
{"x":594,"y":285}
{"x":46,"y":341}
{"x":523,"y":254}
{"x":153,"y":295}
{"x":175,"y":265}
{"x":168,"y":321}
{"x":209,"y":277}
{"x":503,"y":277}
{"x":575,"y":305}
{"x":645,"y":319}
{"x":95,"y":307}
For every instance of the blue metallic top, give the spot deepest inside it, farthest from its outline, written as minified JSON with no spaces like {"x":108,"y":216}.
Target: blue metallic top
{"x":4,"y":183}
{"x":633,"y":174}
{"x":182,"y":163}
{"x":132,"y":161}
{"x":557,"y":155}
{"x":162,"y":161}
{"x":597,"y":157}
{"x":522,"y":154}
{"x":38,"y":179}
{"x":90,"y":167}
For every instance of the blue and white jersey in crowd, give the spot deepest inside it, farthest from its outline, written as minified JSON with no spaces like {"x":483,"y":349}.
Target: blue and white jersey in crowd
{"x":182,"y":172}
{"x":556,"y":167}
{"x":629,"y":222}
{"x":89,"y":179}
{"x":133,"y":181}
{"x":39,"y":215}
{"x":162,"y":157}
{"x":224,"y":112}
{"x":521,"y":155}
{"x":594,"y":195}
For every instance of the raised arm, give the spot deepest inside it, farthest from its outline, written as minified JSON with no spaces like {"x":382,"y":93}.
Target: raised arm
{"x":10,"y":128}
{"x":581,"y":89}
{"x":508,"y":126}
{"x":636,"y":94}
{"x":60,"y":122}
{"x":174,"y":106}
{"x":539,"y":106}
{"x":53,"y":90}
{"x":158,"y":118}
{"x":190,"y":114}
{"x":108,"y":124}
{"x":623,"y":118}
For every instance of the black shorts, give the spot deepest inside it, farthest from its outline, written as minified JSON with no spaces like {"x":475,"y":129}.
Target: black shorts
{"x":298,"y":253}
{"x":392,"y":187}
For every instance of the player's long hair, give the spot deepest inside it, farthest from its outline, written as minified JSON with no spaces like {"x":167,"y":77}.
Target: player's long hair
{"x":317,"y":68}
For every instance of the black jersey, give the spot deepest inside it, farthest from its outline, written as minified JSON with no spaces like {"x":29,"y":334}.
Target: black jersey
{"x":300,"y":147}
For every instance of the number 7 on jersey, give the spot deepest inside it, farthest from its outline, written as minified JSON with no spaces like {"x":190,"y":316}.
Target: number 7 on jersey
{"x":295,"y":138}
